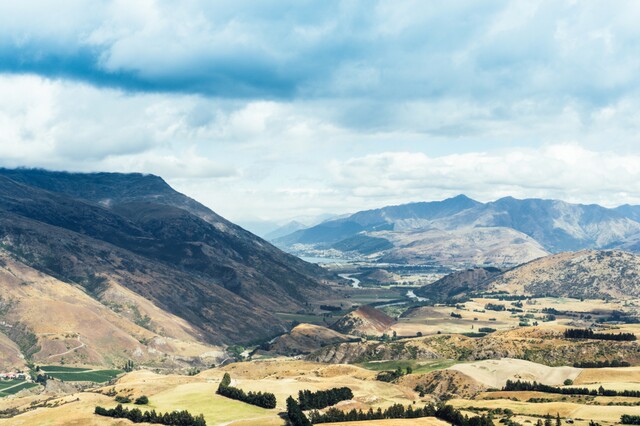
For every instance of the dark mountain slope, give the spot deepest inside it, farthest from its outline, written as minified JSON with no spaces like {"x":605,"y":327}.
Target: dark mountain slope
{"x":143,"y":222}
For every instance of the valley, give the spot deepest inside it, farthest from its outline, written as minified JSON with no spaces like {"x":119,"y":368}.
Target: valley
{"x":117,"y":301}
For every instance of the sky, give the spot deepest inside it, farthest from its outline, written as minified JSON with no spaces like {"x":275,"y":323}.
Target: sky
{"x":272,"y":110}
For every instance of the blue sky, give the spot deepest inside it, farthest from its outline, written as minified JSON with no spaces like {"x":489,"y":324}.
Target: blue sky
{"x":272,"y":110}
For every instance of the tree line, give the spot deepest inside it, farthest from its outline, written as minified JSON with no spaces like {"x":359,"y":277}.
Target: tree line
{"x":587,"y":333}
{"x":539,"y":387}
{"x":175,"y":418}
{"x":260,"y":399}
{"x":601,"y":364}
{"x":627,"y":419}
{"x":318,"y":400}
{"x":446,"y":413}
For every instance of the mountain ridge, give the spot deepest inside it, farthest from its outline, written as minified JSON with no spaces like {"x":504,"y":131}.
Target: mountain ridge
{"x":543,"y":225}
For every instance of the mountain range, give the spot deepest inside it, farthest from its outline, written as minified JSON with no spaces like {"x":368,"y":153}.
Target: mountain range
{"x":130,"y":245}
{"x":508,"y":231}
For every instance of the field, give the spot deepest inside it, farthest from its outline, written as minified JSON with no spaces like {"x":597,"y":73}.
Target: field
{"x":73,"y":374}
{"x":418,"y":367}
{"x":8,"y":383}
{"x":14,"y":387}
{"x":62,"y":369}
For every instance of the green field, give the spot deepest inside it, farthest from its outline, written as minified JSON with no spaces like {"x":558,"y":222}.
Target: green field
{"x":6,"y":391}
{"x":8,"y":383}
{"x":61,"y":369}
{"x":98,"y":376}
{"x":419,"y":367}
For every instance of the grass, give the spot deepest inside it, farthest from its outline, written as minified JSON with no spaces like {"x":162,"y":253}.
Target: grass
{"x":98,"y":376}
{"x":419,"y":367}
{"x":17,"y":388}
{"x":200,"y":398}
{"x":8,"y":383}
{"x":61,"y":369}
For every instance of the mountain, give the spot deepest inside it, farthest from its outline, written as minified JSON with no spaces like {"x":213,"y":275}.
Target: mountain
{"x":556,"y":225}
{"x":463,"y":231}
{"x":131,"y":240}
{"x":629,"y":211}
{"x":285,"y":229}
{"x":585,"y":274}
{"x":387,"y":218}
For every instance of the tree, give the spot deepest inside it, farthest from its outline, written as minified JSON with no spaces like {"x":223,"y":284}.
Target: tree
{"x":548,"y":420}
{"x":143,"y":400}
{"x":295,"y":414}
{"x":558,"y":421}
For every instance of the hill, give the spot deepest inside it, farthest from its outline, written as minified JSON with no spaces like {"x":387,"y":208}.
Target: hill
{"x":459,"y":283}
{"x":306,"y":338}
{"x":585,"y":274}
{"x":130,"y":239}
{"x":364,"y":321}
{"x":460,"y":230}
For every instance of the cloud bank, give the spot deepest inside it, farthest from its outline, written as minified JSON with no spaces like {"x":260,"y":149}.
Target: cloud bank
{"x":278,"y":109}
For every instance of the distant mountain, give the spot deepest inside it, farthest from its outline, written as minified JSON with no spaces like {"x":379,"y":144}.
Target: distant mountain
{"x":460,"y":230}
{"x":285,"y":229}
{"x":406,"y":216}
{"x":588,"y":274}
{"x":131,"y":239}
{"x":629,"y":211}
{"x":557,"y":225}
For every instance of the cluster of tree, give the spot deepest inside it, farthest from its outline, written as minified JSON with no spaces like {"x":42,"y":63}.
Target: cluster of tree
{"x":486,"y":330}
{"x":587,"y":333}
{"x":398,"y":411}
{"x":620,"y":316}
{"x":42,"y":379}
{"x":390,"y":376}
{"x":128,"y":366}
{"x":627,"y":419}
{"x":318,"y":400}
{"x":455,"y":315}
{"x":601,"y":364}
{"x":176,"y":418}
{"x":539,"y":387}
{"x":260,"y":399}
{"x":123,"y":399}
{"x":330,"y":308}
{"x":494,"y":307}
{"x":143,"y":400}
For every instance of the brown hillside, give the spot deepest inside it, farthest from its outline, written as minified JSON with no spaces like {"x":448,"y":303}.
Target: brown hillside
{"x":306,"y":338}
{"x":588,"y":274}
{"x":364,"y":321}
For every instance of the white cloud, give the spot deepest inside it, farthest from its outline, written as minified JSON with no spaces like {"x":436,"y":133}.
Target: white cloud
{"x":567,"y":172}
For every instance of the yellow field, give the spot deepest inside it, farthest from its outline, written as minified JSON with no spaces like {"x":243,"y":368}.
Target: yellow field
{"x":565,"y":409}
{"x":599,"y":375}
